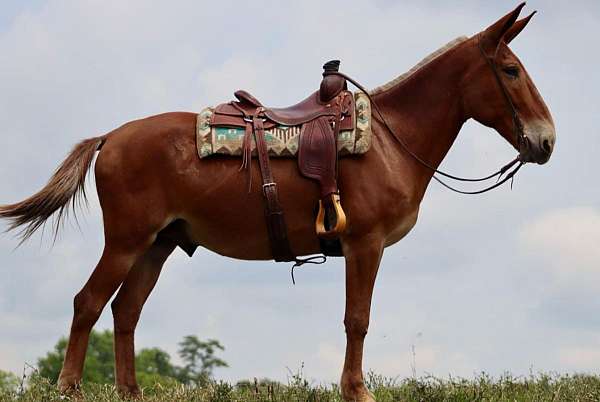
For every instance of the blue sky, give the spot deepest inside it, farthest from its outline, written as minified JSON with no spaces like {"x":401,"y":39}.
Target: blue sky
{"x":12,"y":8}
{"x":505,"y":281}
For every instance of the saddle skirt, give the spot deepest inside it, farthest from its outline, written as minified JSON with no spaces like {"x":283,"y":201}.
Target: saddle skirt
{"x":354,"y":138}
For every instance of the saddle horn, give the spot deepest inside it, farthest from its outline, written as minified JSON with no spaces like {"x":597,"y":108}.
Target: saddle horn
{"x":332,"y":84}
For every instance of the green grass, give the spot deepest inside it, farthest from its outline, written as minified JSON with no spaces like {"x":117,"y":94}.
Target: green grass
{"x":542,"y":387}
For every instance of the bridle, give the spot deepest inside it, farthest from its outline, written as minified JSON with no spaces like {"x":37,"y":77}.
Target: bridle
{"x":522,"y":140}
{"x":521,"y":137}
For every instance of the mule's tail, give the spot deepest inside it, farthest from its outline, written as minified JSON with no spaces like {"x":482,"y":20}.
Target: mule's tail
{"x":66,"y":186}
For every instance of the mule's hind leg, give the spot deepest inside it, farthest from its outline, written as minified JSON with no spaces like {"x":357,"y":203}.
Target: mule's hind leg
{"x":129,"y":232}
{"x":110,"y":272}
{"x":127,"y":307}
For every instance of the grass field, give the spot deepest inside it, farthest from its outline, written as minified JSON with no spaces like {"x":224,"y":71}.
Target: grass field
{"x":541,"y":387}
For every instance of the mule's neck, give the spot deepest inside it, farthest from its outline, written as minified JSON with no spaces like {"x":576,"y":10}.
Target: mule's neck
{"x":425,"y":110}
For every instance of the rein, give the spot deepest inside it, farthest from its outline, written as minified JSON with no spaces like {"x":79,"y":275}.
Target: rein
{"x":517,"y":128}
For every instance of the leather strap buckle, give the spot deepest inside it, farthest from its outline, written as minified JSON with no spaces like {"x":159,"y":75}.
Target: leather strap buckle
{"x":271,"y":184}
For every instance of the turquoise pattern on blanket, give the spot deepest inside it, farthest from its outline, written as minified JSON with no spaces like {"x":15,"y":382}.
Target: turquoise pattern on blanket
{"x":282,"y":141}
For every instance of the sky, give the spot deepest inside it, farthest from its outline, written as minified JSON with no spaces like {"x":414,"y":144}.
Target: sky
{"x":505,"y":281}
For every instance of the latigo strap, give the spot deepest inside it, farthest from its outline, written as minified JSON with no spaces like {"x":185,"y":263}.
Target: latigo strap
{"x":280,"y":244}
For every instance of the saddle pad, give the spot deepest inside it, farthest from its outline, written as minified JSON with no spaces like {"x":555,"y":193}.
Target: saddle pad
{"x":282,"y":141}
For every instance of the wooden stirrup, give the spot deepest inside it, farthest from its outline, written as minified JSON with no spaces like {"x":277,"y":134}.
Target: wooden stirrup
{"x":340,"y":221}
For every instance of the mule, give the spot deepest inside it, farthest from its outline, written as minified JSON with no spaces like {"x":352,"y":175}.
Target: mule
{"x":156,"y":194}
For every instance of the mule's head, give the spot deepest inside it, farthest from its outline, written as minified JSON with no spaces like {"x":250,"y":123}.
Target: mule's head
{"x":488,"y":102}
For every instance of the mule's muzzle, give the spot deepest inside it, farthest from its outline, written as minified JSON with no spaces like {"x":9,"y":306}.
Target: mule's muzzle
{"x":539,"y":144}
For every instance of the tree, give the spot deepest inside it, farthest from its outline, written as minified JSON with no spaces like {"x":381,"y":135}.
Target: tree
{"x":199,"y":358}
{"x":153,"y":365}
{"x":8,"y":383}
{"x":99,"y":362}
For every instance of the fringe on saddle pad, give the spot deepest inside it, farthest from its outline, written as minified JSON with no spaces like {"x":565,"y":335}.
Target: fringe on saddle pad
{"x":282,"y":141}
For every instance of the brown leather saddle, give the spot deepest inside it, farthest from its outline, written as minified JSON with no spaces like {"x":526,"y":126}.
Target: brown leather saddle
{"x":321,"y":116}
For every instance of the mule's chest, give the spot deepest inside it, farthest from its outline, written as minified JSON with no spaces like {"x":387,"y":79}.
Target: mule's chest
{"x":400,"y":226}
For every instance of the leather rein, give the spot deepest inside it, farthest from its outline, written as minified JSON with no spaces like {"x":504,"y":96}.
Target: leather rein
{"x":520,"y":135}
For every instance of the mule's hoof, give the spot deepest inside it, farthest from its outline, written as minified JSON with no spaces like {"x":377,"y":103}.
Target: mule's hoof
{"x":356,"y":392}
{"x":363,"y":397}
{"x":68,"y":386}
{"x":129,"y":392}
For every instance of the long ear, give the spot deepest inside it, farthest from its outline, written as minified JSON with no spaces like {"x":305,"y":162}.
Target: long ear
{"x":492,"y":36}
{"x":517,"y":28}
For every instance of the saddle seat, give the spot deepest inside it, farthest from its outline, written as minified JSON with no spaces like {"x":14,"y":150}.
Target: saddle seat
{"x":300,"y":113}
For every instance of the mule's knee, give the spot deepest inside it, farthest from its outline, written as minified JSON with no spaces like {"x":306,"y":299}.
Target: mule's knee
{"x":356,"y":326}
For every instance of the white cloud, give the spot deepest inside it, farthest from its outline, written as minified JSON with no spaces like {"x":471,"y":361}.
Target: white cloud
{"x":580,"y":357}
{"x":566,"y":240}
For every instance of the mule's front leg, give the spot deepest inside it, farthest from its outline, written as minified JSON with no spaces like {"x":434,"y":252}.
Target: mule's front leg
{"x":362,"y":262}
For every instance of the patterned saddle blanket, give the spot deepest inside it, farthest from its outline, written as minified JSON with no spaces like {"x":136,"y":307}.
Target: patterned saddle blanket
{"x":282,"y":141}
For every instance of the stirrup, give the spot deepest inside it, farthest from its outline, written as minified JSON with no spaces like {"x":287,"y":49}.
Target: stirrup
{"x":340,"y":221}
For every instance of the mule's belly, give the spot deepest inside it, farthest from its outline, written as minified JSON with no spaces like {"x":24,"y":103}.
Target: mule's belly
{"x":227,"y":219}
{"x":246,"y":242}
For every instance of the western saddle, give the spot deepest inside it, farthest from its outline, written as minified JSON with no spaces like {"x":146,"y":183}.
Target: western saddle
{"x":321,"y":116}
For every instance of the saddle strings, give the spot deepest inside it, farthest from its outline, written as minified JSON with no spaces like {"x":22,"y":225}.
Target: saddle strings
{"x":510,"y":176}
{"x":246,"y":146}
{"x":316,"y":260}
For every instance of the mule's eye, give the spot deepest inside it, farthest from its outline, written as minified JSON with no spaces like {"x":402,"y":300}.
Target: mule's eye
{"x":511,"y":71}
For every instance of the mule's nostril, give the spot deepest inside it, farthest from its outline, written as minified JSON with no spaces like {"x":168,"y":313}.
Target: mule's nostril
{"x":547,"y":146}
